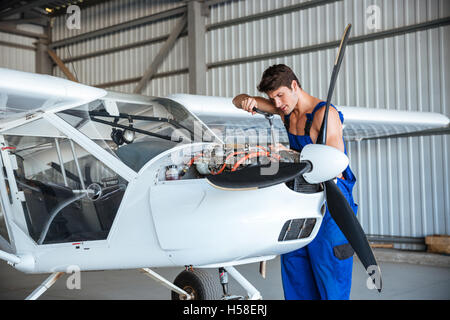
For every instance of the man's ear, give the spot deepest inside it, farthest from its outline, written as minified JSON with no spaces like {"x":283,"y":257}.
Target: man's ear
{"x":294,"y":85}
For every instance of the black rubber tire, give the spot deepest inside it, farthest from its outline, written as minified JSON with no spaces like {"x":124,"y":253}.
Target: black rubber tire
{"x":201,"y":284}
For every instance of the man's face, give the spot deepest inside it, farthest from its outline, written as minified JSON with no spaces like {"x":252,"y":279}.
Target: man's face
{"x":284,"y":99}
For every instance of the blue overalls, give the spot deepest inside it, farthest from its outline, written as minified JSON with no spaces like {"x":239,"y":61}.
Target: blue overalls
{"x":323,"y":268}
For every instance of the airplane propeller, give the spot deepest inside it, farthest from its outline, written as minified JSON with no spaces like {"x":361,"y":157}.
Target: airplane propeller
{"x":338,"y":206}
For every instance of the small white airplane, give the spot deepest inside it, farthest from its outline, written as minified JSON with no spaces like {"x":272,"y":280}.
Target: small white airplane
{"x":74,"y":194}
{"x":103,"y":180}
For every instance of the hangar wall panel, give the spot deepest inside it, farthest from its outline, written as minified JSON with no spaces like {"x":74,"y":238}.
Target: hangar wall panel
{"x":125,"y":64}
{"x":403,"y":183}
{"x":111,"y":13}
{"x":17,"y":58}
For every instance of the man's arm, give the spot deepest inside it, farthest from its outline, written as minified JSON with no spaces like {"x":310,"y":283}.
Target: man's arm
{"x":246,"y":102}
{"x":334,"y":128}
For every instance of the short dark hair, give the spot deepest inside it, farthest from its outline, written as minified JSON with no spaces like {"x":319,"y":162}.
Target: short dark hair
{"x":277,"y":76}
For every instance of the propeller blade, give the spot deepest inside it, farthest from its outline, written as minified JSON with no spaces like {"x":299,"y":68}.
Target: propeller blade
{"x":337,"y":204}
{"x":345,"y":218}
{"x":322,"y":137}
{"x":250,"y":178}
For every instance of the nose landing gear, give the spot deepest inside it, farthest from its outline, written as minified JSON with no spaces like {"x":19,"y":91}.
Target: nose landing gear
{"x":199,"y":284}
{"x":223,"y":276}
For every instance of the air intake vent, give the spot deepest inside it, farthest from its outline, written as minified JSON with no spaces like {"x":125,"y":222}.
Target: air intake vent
{"x":299,"y":184}
{"x":297,"y":229}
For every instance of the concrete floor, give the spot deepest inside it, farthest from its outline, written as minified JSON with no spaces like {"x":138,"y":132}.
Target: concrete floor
{"x":401,"y":281}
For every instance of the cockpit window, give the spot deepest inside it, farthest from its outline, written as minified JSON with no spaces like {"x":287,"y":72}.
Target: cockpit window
{"x":68,"y":194}
{"x":135,"y":131}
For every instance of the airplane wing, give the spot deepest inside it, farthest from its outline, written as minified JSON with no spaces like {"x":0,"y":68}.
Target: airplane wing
{"x":23,"y":93}
{"x":359,"y":123}
{"x":367,"y":123}
{"x":220,"y":115}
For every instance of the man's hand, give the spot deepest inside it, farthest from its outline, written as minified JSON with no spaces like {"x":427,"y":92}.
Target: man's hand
{"x":245,"y":102}
{"x":248,"y":104}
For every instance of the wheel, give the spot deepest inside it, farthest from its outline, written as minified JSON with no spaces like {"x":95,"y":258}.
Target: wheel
{"x":199,"y":284}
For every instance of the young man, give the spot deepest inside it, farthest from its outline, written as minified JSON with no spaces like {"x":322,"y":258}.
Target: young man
{"x":323,"y":269}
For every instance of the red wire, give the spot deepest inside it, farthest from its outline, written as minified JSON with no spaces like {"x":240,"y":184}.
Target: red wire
{"x":252,"y":155}
{"x":225,"y":162}
{"x":240,"y":161}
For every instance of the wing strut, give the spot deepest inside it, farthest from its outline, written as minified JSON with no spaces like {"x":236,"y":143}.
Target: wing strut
{"x":8,"y":257}
{"x":44,"y":286}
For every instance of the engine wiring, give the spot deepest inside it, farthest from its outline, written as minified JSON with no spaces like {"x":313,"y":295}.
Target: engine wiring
{"x":257,"y":151}
{"x":253,"y":155}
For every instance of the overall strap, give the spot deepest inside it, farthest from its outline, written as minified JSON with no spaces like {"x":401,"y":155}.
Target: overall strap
{"x":310,"y":117}
{"x":286,"y":121}
{"x":320,"y":105}
{"x":307,"y":127}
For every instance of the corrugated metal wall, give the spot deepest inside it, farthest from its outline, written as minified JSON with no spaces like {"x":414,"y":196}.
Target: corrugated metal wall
{"x":18,"y":58}
{"x":403,"y":183}
{"x":129,"y":63}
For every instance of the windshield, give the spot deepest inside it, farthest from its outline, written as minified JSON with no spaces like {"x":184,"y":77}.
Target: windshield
{"x":134,"y":128}
{"x":66,"y":193}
